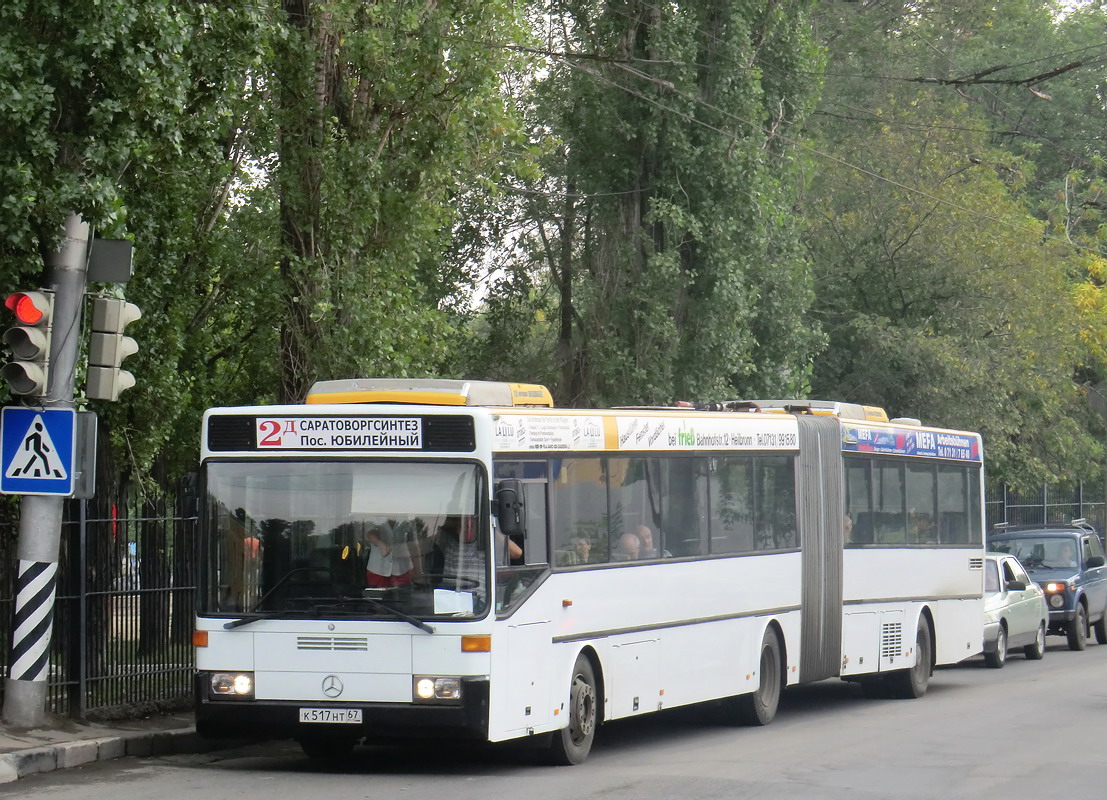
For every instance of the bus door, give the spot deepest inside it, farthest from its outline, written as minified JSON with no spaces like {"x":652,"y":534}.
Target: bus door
{"x":819,"y":497}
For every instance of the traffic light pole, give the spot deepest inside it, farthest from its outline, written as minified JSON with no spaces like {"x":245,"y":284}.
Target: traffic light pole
{"x":40,"y":517}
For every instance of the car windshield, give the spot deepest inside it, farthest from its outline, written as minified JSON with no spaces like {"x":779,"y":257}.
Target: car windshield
{"x":345,"y":539}
{"x":1045,"y":552}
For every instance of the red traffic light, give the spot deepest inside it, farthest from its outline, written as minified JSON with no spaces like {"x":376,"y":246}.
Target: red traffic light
{"x":30,"y":308}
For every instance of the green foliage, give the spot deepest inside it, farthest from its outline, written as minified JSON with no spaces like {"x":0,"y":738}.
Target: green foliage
{"x":944,"y":295}
{"x":386,"y":110}
{"x":331,"y":188}
{"x":662,"y":224}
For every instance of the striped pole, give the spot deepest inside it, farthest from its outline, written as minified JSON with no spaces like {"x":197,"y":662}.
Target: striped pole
{"x":35,"y":587}
{"x":40,"y":517}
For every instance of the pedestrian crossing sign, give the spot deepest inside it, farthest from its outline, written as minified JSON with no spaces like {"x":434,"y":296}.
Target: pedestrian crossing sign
{"x":37,"y":450}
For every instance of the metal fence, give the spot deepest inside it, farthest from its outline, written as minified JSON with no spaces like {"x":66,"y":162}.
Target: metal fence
{"x":1047,"y":505}
{"x":123,"y":616}
{"x":123,"y":620}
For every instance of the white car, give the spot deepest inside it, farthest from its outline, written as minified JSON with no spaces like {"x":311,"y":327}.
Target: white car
{"x":1015,"y":611}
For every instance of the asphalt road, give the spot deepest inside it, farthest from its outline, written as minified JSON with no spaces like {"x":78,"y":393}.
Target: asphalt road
{"x":1032,"y":729}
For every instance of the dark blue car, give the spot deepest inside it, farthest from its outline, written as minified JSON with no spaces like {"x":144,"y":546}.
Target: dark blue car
{"x":1068,"y":563}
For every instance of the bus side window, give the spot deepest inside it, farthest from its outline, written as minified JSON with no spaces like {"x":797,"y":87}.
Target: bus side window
{"x":684,"y":506}
{"x":532,"y":477}
{"x":578,"y":507}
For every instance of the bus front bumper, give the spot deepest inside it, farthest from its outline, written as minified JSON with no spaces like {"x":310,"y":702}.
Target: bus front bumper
{"x":277,"y":719}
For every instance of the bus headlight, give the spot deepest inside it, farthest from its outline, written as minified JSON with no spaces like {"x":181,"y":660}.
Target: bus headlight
{"x":429,"y":689}
{"x":233,"y":684}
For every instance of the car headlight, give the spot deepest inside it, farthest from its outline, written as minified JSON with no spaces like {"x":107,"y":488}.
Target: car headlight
{"x":233,"y":684}
{"x":430,"y":689}
{"x":1057,"y":600}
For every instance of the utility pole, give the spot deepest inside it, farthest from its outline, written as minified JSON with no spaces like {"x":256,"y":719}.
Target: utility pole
{"x":40,"y":518}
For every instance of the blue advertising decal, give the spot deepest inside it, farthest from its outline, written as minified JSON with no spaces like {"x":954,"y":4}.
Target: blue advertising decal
{"x":911,"y":442}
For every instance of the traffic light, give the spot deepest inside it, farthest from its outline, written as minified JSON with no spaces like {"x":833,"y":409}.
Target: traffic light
{"x":108,"y":347}
{"x":28,"y":372}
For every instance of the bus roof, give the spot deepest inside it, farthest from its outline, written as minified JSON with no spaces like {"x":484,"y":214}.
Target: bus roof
{"x":831,"y":408}
{"x":431,"y":392}
{"x":500,"y":394}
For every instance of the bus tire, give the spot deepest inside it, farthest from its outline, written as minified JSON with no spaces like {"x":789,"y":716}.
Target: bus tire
{"x":912,"y":682}
{"x":571,"y":744}
{"x":759,"y":707}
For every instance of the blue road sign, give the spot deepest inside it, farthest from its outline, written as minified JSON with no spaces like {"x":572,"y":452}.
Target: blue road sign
{"x":37,"y":449}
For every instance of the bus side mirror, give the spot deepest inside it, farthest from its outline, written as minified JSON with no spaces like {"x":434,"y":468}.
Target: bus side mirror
{"x":510,"y":509}
{"x":188,"y":493}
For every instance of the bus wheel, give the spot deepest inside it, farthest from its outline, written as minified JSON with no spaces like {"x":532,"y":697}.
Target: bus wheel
{"x":572,"y":743}
{"x":330,"y":747}
{"x":911,"y":683}
{"x":759,"y":707}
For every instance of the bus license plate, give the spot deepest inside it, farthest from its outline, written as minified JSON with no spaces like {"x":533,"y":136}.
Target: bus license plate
{"x":340,"y":715}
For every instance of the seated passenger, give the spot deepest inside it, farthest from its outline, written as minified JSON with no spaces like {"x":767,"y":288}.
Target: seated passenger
{"x":1068,"y":556}
{"x":583,"y":548}
{"x":627,"y":548}
{"x":647,"y":548}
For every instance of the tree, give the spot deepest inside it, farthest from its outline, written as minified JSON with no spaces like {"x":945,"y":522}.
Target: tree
{"x":382,"y":113}
{"x":963,"y":150}
{"x":662,"y":224}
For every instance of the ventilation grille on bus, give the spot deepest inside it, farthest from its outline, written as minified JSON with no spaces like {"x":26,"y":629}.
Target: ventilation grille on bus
{"x":976,"y":563}
{"x":344,"y":643}
{"x":232,"y":433}
{"x":891,"y":639}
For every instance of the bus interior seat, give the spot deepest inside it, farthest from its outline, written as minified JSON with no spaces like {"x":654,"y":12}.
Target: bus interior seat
{"x":566,"y":558}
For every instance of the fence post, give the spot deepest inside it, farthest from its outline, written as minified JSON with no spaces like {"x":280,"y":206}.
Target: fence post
{"x":82,"y":604}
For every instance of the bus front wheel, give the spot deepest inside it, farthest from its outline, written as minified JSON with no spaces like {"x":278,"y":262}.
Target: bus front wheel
{"x":912,"y":682}
{"x":759,"y":706}
{"x":572,"y":743}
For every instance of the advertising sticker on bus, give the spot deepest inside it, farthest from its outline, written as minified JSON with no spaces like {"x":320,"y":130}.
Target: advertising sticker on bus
{"x":908,"y":442}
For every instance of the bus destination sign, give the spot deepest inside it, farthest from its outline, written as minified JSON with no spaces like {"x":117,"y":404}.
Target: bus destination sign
{"x":333,"y":433}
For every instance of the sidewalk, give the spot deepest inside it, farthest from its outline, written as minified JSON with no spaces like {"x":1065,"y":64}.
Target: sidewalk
{"x":67,"y":743}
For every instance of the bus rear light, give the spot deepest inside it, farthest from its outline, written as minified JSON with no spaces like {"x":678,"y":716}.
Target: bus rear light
{"x":199,"y":638}
{"x":476,"y":643}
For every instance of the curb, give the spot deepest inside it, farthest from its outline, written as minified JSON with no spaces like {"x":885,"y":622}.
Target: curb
{"x":64,"y":755}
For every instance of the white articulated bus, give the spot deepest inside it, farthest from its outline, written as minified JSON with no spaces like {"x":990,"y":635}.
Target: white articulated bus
{"x":459,"y":558}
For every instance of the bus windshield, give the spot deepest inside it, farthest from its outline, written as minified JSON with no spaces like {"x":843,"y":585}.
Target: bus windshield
{"x":332,"y":539}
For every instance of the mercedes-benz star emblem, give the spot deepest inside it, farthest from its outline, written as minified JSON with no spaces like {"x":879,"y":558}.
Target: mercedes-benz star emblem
{"x":332,"y":686}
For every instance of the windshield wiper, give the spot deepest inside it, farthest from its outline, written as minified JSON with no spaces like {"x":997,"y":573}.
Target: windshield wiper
{"x":253,"y":615}
{"x":379,"y":606}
